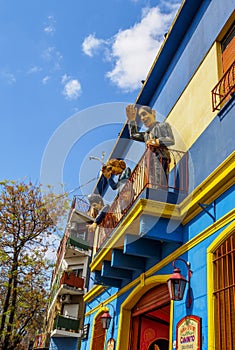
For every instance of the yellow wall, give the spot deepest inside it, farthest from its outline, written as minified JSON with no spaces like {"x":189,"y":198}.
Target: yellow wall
{"x":193,"y":111}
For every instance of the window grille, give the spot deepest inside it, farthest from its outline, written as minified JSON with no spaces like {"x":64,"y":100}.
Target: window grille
{"x":224,"y":293}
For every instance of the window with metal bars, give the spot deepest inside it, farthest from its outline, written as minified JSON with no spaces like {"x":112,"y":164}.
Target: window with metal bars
{"x":224,"y":293}
{"x":225,"y":88}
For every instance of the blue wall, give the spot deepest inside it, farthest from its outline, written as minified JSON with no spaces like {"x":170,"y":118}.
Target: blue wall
{"x":63,"y":343}
{"x":213,"y":146}
{"x":194,"y":47}
{"x":198,"y":259}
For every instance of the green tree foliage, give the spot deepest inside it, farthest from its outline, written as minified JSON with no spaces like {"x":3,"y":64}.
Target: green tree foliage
{"x":28,"y":221}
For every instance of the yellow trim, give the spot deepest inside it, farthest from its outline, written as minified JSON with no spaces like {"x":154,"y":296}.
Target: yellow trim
{"x":221,"y":179}
{"x":211,"y":188}
{"x":162,"y":209}
{"x":114,"y":239}
{"x":171,"y":324}
{"x":103,"y":303}
{"x":210,"y":281}
{"x":95,"y":309}
{"x":210,"y":302}
{"x":144,"y":281}
{"x":226,"y":219}
{"x":128,"y":304}
{"x":96,"y":290}
{"x":222,"y":222}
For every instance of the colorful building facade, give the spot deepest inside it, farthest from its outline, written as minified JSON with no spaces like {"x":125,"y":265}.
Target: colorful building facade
{"x":70,"y":279}
{"x":186,"y":222}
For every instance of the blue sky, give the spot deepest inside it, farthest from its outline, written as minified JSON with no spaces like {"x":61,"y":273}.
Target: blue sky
{"x":58,"y":61}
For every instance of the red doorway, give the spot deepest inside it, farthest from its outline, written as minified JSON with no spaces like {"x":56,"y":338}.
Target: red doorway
{"x":150,"y":319}
{"x":99,"y":334}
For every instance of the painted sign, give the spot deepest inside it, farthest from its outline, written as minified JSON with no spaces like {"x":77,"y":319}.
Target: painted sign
{"x":110,"y":344}
{"x":188,"y":333}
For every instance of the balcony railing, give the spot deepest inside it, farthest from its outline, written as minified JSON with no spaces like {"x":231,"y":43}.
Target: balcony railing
{"x":66,"y":323}
{"x":81,"y":204}
{"x":224,"y":88}
{"x":70,"y":279}
{"x":78,"y":243}
{"x":65,"y":243}
{"x":148,"y":173}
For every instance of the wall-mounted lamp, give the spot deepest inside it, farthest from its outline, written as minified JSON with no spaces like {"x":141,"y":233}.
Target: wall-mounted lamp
{"x":106,"y":320}
{"x":177,"y":283}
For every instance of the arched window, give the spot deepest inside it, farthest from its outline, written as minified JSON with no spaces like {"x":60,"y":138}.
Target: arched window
{"x":224,"y":294}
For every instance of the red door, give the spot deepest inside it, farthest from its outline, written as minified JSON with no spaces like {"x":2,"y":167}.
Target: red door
{"x":150,"y":321}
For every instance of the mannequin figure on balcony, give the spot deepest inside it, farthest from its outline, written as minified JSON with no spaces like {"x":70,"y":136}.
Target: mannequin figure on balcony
{"x":96,"y":201}
{"x":118,"y":168}
{"x":157,"y":137}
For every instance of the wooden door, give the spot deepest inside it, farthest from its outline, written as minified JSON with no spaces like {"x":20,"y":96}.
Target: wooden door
{"x":98,"y":338}
{"x":150,"y":320}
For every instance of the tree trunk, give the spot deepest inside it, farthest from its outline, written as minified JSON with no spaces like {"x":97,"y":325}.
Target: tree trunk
{"x":10,"y":303}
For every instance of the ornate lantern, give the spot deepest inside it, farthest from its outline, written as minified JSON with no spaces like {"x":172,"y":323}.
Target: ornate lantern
{"x":106,"y":320}
{"x":177,"y":283}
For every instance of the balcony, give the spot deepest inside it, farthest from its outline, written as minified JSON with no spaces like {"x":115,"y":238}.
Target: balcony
{"x":71,"y":280}
{"x":63,"y":325}
{"x":148,"y":180}
{"x":77,"y":247}
{"x":81,"y":204}
{"x":71,"y":247}
{"x":78,"y":243}
{"x":224,"y":89}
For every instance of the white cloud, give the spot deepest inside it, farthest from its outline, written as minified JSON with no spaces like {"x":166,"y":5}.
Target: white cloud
{"x":9,"y":78}
{"x":72,"y":88}
{"x":34,"y":69}
{"x":133,"y":50}
{"x":51,"y":55}
{"x":45,"y":80}
{"x":65,"y":78}
{"x":50,"y":25}
{"x":91,"y":45}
